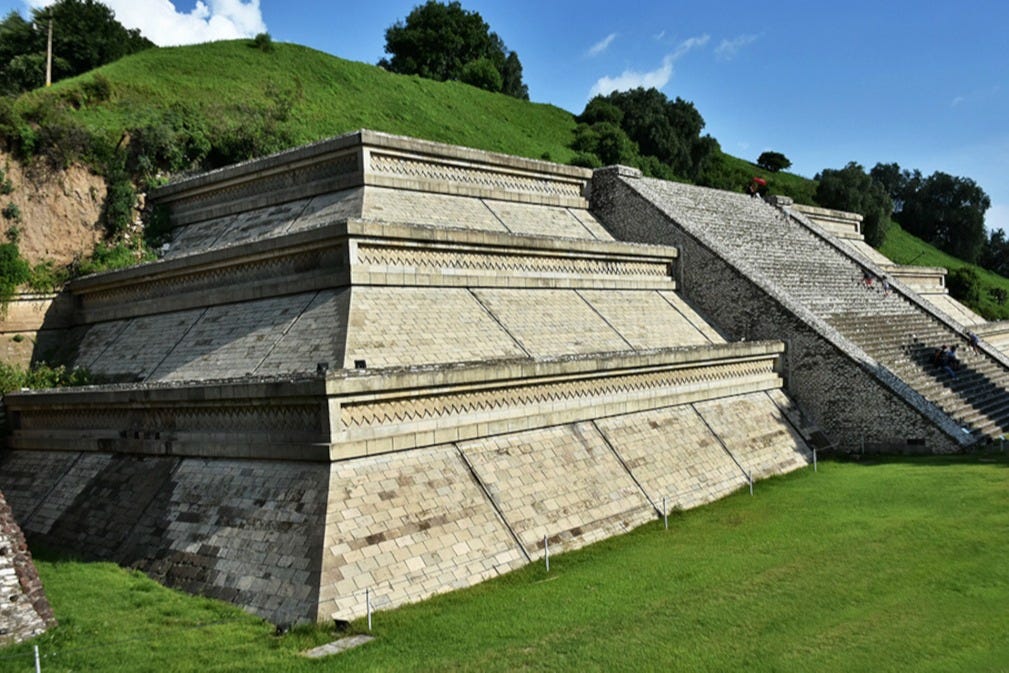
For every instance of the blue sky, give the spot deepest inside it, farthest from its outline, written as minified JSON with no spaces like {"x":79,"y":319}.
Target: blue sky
{"x":921,"y":84}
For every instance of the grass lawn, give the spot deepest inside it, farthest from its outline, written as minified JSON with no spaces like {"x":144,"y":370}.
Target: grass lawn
{"x":898,"y":565}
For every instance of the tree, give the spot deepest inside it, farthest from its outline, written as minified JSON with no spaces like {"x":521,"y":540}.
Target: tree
{"x":899,"y":184}
{"x":948,"y":212}
{"x":669,"y":131}
{"x":773,"y":161}
{"x":852,"y":189}
{"x":995,"y":253}
{"x":438,"y":41}
{"x":86,"y":35}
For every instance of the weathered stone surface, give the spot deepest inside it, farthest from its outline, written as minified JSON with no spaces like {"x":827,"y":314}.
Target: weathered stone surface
{"x":381,"y":365}
{"x":855,"y":357}
{"x":24,"y":609}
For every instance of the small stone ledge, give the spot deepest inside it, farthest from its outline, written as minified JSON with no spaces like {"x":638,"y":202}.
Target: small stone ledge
{"x":619,"y":170}
{"x":338,"y":646}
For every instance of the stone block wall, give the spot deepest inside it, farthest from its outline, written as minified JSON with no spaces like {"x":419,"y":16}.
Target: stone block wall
{"x":245,"y":531}
{"x":857,"y":405}
{"x":24,"y":610}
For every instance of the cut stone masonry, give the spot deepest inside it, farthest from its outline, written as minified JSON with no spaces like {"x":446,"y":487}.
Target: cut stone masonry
{"x":376,"y":364}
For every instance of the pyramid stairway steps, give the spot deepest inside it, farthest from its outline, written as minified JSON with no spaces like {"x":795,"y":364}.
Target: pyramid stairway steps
{"x":894,"y":330}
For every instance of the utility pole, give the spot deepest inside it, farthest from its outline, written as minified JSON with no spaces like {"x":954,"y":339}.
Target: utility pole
{"x":49,"y":56}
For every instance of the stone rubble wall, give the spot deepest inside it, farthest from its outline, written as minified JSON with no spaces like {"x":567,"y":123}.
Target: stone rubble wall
{"x":24,"y":610}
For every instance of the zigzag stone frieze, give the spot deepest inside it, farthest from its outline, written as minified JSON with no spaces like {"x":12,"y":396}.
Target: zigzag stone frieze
{"x":434,"y":259}
{"x":151,"y":421}
{"x":340,"y":166}
{"x":200,"y":280}
{"x":472,"y":176}
{"x":367,"y":414}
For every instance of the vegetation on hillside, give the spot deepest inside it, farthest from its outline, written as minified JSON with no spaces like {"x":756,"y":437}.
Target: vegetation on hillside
{"x":445,"y":42}
{"x":986,"y":296}
{"x":817,"y":571}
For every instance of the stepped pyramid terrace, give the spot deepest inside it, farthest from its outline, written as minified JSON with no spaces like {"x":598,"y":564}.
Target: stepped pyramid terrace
{"x":377,"y":364}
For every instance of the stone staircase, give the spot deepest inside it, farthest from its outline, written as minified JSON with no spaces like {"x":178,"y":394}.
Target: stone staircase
{"x":799,"y":260}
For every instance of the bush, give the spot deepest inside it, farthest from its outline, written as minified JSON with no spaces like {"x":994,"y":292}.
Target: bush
{"x":586,"y":160}
{"x":39,"y":376}
{"x":263,"y":42}
{"x":11,"y":212}
{"x":120,"y":198}
{"x":98,"y":89}
{"x":965,"y":286}
{"x":483,"y":74}
{"x":106,"y":257}
{"x":13,"y":272}
{"x":46,"y":277}
{"x":176,"y":141}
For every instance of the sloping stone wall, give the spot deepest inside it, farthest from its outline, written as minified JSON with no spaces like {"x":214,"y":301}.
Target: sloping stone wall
{"x":24,"y":610}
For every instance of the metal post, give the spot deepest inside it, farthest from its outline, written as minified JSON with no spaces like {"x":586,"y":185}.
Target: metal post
{"x":367,"y":601}
{"x":546,"y":552}
{"x":814,"y":460}
{"x":38,"y":664}
{"x":665,"y":513}
{"x":749,"y":476}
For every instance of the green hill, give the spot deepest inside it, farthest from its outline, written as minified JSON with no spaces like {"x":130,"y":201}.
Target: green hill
{"x":299,"y":94}
{"x":178,"y":108}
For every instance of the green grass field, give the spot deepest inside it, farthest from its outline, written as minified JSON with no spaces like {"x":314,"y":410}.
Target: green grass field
{"x":898,"y":565}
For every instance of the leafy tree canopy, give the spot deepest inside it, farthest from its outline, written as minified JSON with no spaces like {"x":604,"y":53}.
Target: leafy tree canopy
{"x":948,"y":212}
{"x":945,"y":210}
{"x":446,"y":42}
{"x":667,"y":133}
{"x":86,"y":35}
{"x":854,"y":190}
{"x":773,"y":161}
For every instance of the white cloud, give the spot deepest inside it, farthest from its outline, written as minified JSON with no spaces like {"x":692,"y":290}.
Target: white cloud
{"x":956,"y":101}
{"x":602,"y":45}
{"x":161,"y":23}
{"x":727,"y":49}
{"x":657,"y":78}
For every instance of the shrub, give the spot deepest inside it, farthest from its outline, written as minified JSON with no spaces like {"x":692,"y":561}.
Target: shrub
{"x":965,"y":285}
{"x":107,"y":257}
{"x":11,"y":212}
{"x":40,"y":375}
{"x":483,"y":74}
{"x":98,"y":89}
{"x":586,"y":160}
{"x":47,"y":277}
{"x":120,"y":198}
{"x":263,"y":42}
{"x":13,"y":272}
